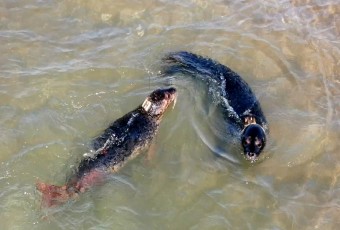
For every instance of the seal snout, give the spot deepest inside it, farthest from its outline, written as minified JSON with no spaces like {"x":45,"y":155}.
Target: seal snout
{"x":251,"y":156}
{"x":171,"y":96}
{"x":171,"y":90}
{"x":170,"y":93}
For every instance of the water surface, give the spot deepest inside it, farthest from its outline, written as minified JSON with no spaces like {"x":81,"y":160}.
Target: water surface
{"x":69,"y":68}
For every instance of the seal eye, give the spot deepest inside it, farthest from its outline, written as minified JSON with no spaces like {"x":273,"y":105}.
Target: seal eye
{"x":247,"y":141}
{"x":258,"y":143}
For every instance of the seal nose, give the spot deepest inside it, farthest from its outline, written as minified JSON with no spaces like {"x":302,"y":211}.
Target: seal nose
{"x":250,"y":154}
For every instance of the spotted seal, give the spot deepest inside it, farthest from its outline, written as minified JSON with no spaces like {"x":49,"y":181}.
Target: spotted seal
{"x":236,"y":99}
{"x":122,"y":141}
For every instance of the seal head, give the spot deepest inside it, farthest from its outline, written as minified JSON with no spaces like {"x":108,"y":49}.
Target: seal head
{"x":158,"y":101}
{"x":253,"y":140}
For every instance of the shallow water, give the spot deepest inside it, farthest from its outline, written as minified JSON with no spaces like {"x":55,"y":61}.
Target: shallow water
{"x":69,"y":68}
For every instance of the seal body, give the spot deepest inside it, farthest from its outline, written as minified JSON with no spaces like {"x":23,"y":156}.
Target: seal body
{"x":231,"y":92}
{"x":122,"y":141}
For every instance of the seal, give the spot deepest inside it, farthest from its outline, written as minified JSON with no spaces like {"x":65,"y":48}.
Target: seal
{"x":122,"y":141}
{"x":231,"y":92}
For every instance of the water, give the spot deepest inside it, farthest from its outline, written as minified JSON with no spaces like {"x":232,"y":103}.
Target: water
{"x":69,"y":68}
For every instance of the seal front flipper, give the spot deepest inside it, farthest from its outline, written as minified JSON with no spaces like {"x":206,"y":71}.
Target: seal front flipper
{"x":234,"y":96}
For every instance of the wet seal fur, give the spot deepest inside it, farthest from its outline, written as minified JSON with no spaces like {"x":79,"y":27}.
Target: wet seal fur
{"x":236,"y":99}
{"x":126,"y":138}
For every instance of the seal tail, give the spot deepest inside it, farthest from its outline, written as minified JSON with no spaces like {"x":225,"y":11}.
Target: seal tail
{"x":189,"y":63}
{"x":53,"y":195}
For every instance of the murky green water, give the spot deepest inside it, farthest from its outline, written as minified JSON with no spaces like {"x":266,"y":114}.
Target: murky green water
{"x":69,"y":68}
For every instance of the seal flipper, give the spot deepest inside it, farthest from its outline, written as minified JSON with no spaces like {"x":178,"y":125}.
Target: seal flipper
{"x":52,"y":195}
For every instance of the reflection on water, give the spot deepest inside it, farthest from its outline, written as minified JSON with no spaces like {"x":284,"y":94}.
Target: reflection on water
{"x":69,"y":68}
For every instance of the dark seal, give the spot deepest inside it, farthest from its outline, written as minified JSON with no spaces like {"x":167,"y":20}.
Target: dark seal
{"x":236,"y":99}
{"x":122,"y":141}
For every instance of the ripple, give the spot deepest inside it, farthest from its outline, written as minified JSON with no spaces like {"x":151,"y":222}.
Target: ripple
{"x":69,"y":68}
